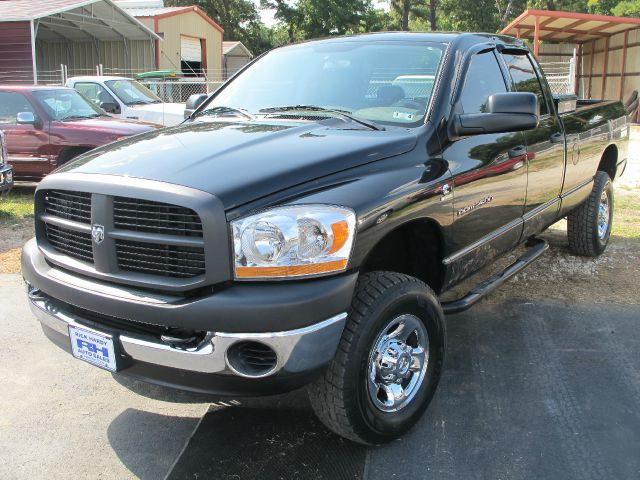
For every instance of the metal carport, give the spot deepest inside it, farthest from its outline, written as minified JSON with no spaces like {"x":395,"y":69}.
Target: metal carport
{"x":608,"y":47}
{"x":37,"y":37}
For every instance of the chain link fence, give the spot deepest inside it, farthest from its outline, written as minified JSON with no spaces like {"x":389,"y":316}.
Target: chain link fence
{"x":170,"y":89}
{"x":179,"y":91}
{"x":560,"y":76}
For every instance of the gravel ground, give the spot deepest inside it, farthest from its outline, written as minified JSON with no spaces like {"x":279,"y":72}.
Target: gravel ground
{"x":59,"y":414}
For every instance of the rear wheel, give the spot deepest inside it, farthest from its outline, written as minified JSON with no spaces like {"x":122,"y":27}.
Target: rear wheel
{"x":589,"y":225}
{"x":388,"y":362}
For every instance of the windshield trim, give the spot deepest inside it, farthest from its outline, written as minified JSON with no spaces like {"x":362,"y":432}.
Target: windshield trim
{"x":424,"y":119}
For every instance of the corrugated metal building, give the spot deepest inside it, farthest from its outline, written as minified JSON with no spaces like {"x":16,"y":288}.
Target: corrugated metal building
{"x":36,"y":37}
{"x":191,"y":41}
{"x":236,"y":56}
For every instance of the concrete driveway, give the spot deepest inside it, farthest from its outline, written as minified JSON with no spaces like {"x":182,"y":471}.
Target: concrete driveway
{"x":537,"y":389}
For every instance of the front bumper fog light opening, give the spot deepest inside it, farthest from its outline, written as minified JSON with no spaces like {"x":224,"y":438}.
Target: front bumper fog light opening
{"x":251,"y":359}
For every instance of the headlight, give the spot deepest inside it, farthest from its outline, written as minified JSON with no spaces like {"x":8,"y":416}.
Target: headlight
{"x":294,"y":241}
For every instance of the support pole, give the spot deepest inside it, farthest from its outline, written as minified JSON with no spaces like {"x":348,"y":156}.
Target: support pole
{"x":578,"y":80}
{"x":536,"y":38}
{"x":593,"y":53}
{"x":624,"y":63}
{"x":604,"y":67}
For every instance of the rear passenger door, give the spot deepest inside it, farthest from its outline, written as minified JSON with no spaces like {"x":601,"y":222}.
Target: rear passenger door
{"x":545,"y":147}
{"x":489,"y":177}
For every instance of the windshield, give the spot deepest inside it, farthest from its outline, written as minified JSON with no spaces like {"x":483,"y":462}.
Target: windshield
{"x":66,"y":104}
{"x":385,"y":82}
{"x":131,"y":92}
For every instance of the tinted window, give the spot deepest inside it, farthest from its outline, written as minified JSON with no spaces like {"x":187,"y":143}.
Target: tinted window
{"x":525,"y":78}
{"x":12,"y":103}
{"x":484,"y":78}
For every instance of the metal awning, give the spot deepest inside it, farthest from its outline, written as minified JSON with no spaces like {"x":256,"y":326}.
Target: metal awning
{"x":76,"y":20}
{"x":567,"y":27}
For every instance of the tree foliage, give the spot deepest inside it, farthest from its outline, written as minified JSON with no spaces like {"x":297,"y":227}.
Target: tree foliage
{"x":305,"y":19}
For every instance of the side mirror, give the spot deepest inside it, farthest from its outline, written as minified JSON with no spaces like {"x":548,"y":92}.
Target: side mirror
{"x":110,"y":107}
{"x":25,"y":118}
{"x":194,"y":101}
{"x":506,"y":112}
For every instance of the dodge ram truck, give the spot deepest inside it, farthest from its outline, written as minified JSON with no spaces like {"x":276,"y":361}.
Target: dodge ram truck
{"x":299,"y":228}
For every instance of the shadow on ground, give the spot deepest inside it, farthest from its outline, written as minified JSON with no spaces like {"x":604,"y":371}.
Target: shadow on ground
{"x":530,"y":390}
{"x":148,"y":443}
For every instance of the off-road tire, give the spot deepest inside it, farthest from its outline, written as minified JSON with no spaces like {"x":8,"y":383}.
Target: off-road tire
{"x":340,"y":398}
{"x":582,"y":222}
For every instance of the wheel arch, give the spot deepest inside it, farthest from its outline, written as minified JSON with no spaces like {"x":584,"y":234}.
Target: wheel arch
{"x":415,"y":248}
{"x":609,"y":161}
{"x":68,"y":153}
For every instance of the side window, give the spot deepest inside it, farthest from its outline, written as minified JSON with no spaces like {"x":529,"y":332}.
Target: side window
{"x":484,"y":78}
{"x":94,"y":92}
{"x":525,"y":78}
{"x":12,"y":103}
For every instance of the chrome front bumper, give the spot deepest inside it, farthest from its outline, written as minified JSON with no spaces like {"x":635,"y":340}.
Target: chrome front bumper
{"x":297,"y":351}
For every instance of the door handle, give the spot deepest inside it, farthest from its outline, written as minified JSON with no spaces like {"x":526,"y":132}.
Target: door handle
{"x":557,"y":138}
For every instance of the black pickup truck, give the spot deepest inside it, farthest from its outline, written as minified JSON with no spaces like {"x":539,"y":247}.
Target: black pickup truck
{"x":297,"y":229}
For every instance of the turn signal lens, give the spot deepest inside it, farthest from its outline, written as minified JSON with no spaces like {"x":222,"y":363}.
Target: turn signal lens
{"x":296,"y":241}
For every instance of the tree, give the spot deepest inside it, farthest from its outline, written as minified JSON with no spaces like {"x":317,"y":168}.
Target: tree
{"x":407,"y":10}
{"x":627,"y":8}
{"x":306,"y":19}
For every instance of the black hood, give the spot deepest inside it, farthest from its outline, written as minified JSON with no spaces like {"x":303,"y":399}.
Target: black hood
{"x":243,"y":161}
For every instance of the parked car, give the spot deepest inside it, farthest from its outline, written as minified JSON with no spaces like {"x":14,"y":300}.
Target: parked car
{"x":6,"y":172}
{"x":284,"y":237}
{"x":127,"y":98}
{"x":46,"y":127}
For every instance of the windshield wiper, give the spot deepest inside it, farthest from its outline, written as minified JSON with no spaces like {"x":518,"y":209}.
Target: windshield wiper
{"x":317,"y":108}
{"x":78,"y":117}
{"x":138,"y":102}
{"x":223,"y":110}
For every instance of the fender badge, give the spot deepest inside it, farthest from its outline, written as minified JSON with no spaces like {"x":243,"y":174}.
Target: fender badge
{"x":479,"y":203}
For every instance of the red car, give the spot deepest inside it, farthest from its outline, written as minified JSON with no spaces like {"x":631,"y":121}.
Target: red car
{"x":47,"y":126}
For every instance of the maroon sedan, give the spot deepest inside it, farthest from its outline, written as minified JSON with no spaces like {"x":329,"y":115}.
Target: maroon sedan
{"x":47,"y":126}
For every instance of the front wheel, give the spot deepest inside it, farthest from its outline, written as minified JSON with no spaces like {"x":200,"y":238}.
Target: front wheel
{"x":589,"y":225}
{"x":388,"y":362}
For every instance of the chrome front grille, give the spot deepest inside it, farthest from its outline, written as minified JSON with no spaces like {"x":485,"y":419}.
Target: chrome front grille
{"x":74,"y":206}
{"x":70,"y":242}
{"x":120,"y":236}
{"x":165,"y":260}
{"x":155,"y":217}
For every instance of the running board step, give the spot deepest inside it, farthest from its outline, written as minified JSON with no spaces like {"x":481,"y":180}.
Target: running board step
{"x":536,"y":248}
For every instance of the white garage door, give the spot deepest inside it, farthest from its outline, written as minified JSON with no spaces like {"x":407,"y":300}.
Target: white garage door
{"x":190,"y":49}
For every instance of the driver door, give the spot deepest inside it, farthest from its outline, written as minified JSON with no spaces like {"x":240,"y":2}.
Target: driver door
{"x":489,"y":176}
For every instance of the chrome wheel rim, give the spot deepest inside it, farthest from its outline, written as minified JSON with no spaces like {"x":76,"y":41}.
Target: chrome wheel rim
{"x":398,"y":363}
{"x":603,"y":215}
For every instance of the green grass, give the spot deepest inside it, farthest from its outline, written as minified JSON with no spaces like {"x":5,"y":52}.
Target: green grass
{"x":626,"y":221}
{"x":17,"y":206}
